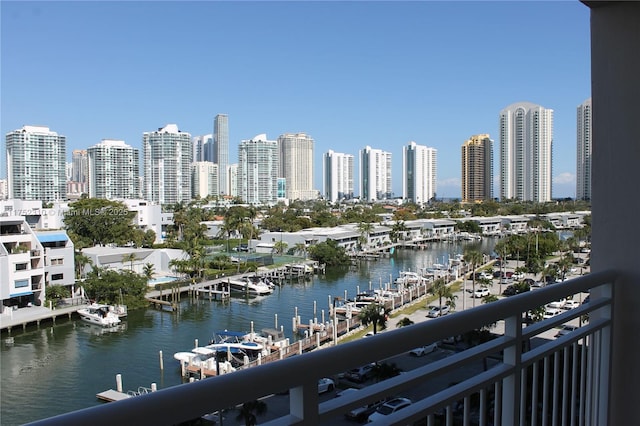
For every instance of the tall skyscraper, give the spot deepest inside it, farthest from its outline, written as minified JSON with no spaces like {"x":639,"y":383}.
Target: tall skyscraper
{"x":258,"y":170}
{"x":477,"y":169}
{"x":167,"y":165}
{"x":296,"y":165}
{"x":419,"y":173}
{"x":203,"y":148}
{"x":583,"y":157}
{"x":526,"y":143}
{"x":337,"y":176}
{"x":375,"y":174}
{"x":80,"y":165}
{"x":36,"y":164}
{"x":204,"y":179}
{"x":114,"y":169}
{"x":221,"y":148}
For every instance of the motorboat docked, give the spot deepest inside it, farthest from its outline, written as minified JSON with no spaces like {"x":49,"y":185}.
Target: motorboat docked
{"x":348,"y":309}
{"x":409,"y":279}
{"x":98,"y":314}
{"x":250,"y":285}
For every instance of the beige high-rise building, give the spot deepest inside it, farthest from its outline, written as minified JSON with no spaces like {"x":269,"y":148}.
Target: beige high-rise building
{"x":296,"y":165}
{"x":477,"y":169}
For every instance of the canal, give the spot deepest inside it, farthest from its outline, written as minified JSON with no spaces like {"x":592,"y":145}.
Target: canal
{"x":55,"y":369}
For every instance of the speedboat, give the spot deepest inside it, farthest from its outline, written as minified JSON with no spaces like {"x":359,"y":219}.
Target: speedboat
{"x":102,"y":315}
{"x":250,"y":285}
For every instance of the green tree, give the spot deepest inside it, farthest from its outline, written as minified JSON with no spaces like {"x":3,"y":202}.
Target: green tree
{"x":474,"y":258}
{"x":148,"y":270}
{"x":329,"y":253}
{"x":81,"y":261}
{"x":95,"y":221}
{"x":110,"y":286}
{"x":441,"y":290}
{"x":130,"y":257}
{"x":301,"y":248}
{"x":374,"y":314}
{"x":280,"y":247}
{"x":249,"y":411}
{"x":54,"y":293}
{"x":365,"y":229}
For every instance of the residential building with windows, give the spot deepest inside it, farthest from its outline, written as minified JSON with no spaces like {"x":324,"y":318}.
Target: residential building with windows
{"x":221,"y":148}
{"x":296,"y":165}
{"x":477,"y":169}
{"x":258,"y":170}
{"x":167,"y":165}
{"x":337,"y":176}
{"x":419,"y":173}
{"x":375,"y":174}
{"x":114,"y":169}
{"x":36,"y":164}
{"x":203,"y":148}
{"x":79,"y":165}
{"x":59,"y":261}
{"x":583,"y":154}
{"x":204,"y":181}
{"x":526,"y":143}
{"x":232,"y":180}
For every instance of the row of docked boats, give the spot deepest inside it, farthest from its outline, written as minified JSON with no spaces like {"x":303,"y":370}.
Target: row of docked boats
{"x":229,"y":350}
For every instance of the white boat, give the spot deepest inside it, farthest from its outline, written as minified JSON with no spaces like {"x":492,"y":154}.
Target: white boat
{"x":350,"y":309}
{"x":102,"y":315}
{"x":250,"y":285}
{"x":409,"y":279}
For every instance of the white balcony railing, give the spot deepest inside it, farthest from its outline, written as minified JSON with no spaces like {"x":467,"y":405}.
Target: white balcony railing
{"x":561,"y":381}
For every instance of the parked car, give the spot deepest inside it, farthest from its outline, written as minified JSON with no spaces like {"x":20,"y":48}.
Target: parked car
{"x":551,"y":312}
{"x":389,"y":407}
{"x":558,"y":304}
{"x":510,"y":291}
{"x":518,"y":275}
{"x":437,"y":311}
{"x":423,"y":350}
{"x":566,"y":329}
{"x":481,"y":292}
{"x":486,"y":275}
{"x":360,"y":374}
{"x":360,"y":414}
{"x":326,"y":385}
{"x":570,"y":304}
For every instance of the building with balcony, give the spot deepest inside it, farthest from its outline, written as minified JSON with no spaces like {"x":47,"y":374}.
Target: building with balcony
{"x":221,"y":149}
{"x":477,"y":169}
{"x":583,"y":148}
{"x":337,"y":176}
{"x":167,"y":165}
{"x":295,"y":165}
{"x":59,"y":261}
{"x":258,"y":170}
{"x":36,"y":164}
{"x":419,"y":173}
{"x":114,"y":169}
{"x":526,"y":139}
{"x":204,"y":179}
{"x":375,"y":174}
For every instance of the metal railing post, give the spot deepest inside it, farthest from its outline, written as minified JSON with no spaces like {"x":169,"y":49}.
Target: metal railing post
{"x":511,"y":384}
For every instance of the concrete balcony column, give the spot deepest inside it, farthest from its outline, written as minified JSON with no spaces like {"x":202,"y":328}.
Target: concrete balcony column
{"x":615,"y":67}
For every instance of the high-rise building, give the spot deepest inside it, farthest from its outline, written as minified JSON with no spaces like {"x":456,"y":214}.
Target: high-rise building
{"x":221,"y":148}
{"x":203,"y":148}
{"x":80,"y":165}
{"x":337,"y":176}
{"x":526,"y":143}
{"x":583,"y":157}
{"x":36,"y":164}
{"x":477,"y":169}
{"x":296,"y":165}
{"x":204,"y":179}
{"x":419,"y":169}
{"x":375,"y":174}
{"x":114,"y":169}
{"x":258,"y":170}
{"x":167,"y":165}
{"x":232,"y":180}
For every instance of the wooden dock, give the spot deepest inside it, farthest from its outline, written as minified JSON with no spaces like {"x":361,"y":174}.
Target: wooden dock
{"x":112,"y":395}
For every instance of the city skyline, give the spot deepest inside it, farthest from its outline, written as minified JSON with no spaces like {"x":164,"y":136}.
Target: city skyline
{"x":335,"y":85}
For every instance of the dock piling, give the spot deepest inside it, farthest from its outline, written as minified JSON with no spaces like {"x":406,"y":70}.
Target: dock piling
{"x":161,"y":362}
{"x":119,"y":382}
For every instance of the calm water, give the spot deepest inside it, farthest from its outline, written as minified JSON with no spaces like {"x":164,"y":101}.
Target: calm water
{"x":53,"y":370}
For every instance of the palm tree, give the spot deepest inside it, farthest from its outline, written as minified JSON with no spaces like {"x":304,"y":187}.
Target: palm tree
{"x":129,"y":258}
{"x":375,"y":314}
{"x":441,"y":290}
{"x":301,"y":248}
{"x":365,"y":229}
{"x":404,"y":322}
{"x":280,"y":247}
{"x":81,"y":261}
{"x":250,"y":410}
{"x":474,"y":257}
{"x":148,"y":269}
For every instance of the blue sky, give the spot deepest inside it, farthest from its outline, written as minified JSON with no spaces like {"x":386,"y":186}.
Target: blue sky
{"x":350,"y":74}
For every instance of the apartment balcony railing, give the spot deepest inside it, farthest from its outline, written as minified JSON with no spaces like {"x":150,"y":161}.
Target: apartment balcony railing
{"x":516,"y":378}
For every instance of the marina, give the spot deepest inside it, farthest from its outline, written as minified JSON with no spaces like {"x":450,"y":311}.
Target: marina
{"x":79,"y":363}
